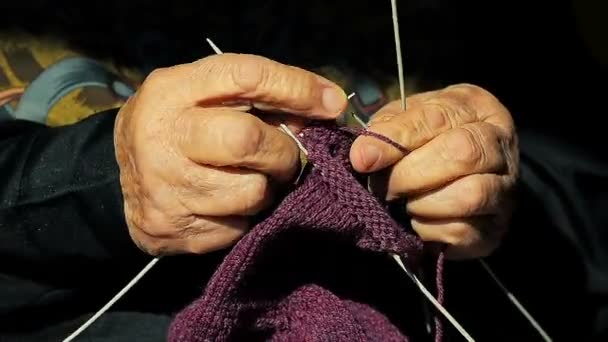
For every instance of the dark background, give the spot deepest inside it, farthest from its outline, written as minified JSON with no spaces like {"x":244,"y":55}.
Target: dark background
{"x":532,"y":54}
{"x":535,"y":56}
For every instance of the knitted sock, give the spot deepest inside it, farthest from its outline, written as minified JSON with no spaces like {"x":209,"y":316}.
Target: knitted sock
{"x":289,"y":278}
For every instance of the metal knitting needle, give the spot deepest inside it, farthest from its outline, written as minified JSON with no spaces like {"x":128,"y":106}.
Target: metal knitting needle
{"x":398,"y":52}
{"x":516,"y":302}
{"x":509,"y":295}
{"x":112,"y":301}
{"x":419,"y":284}
{"x":396,"y":257}
{"x":427,"y":313}
{"x":494,"y":277}
{"x":136,"y":279}
{"x":283,"y":127}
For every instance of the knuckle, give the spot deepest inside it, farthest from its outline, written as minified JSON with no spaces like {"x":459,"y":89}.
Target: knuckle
{"x":380,"y":117}
{"x":154,"y":247}
{"x":289,"y":160}
{"x":475,"y":198}
{"x":255,"y":193}
{"x":156,"y":76}
{"x":299,"y":84}
{"x":135,"y":219}
{"x":494,"y":154}
{"x":243,"y":138}
{"x":141,"y":235}
{"x":462,"y":145}
{"x":247,"y":72}
{"x":433,"y":118}
{"x":461,"y":235}
{"x":469,"y":90}
{"x":155,"y":83}
{"x":146,"y":220}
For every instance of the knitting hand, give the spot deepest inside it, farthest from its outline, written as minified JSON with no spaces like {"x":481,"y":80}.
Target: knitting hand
{"x":194,"y":164}
{"x":461,"y":168}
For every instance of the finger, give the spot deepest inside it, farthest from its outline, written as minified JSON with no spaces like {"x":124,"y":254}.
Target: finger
{"x":214,"y":233}
{"x":428,"y":115}
{"x":466,"y":238}
{"x":470,"y":149}
{"x":483,"y":104}
{"x":473,"y":195}
{"x":424,"y":120}
{"x":248,"y":77}
{"x":202,"y":235}
{"x":211,"y":191}
{"x":228,"y":138}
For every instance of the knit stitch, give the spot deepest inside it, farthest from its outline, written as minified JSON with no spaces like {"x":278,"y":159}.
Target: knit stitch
{"x":289,"y":278}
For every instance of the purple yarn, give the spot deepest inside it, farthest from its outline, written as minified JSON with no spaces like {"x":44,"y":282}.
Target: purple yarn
{"x":292,"y":302}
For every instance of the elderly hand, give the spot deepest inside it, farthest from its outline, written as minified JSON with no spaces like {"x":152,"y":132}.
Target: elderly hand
{"x":194,"y":164}
{"x":461,"y":168}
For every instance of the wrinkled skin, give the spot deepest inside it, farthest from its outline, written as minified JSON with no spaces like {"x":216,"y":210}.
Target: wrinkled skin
{"x":460,"y":171}
{"x":195,"y":164}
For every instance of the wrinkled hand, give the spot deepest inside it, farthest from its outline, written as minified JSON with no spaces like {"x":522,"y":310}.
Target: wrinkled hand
{"x":194,"y":164}
{"x":460,"y":171}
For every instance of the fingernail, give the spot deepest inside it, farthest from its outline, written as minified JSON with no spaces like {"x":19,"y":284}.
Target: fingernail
{"x":370,"y":155}
{"x":334,"y":100}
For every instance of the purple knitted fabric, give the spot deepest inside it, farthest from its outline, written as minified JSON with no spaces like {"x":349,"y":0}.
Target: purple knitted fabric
{"x":270,"y":286}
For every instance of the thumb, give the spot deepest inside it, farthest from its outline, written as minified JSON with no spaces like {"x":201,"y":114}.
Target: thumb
{"x":240,"y":77}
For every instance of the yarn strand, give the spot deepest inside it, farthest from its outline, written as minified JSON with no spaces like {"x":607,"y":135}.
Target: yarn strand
{"x":432,"y":299}
{"x":413,"y":277}
{"x":436,"y":302}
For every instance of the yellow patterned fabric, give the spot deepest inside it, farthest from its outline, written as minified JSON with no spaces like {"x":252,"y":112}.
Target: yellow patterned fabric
{"x":23,"y":58}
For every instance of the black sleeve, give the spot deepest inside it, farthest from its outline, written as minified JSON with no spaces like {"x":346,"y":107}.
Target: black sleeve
{"x":61,"y":213}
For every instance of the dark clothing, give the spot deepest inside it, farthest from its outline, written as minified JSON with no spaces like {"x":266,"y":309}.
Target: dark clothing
{"x":64,"y":245}
{"x":65,"y":249}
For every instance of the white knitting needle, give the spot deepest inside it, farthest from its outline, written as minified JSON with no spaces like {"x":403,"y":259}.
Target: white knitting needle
{"x":516,"y":302}
{"x":396,"y":257}
{"x":511,"y":297}
{"x":214,"y":47}
{"x":122,"y":292}
{"x":112,"y":301}
{"x":398,"y":51}
{"x":418,"y":283}
{"x":494,"y":277}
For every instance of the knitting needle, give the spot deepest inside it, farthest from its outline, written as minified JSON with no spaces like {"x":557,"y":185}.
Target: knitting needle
{"x":516,"y":302}
{"x":122,"y":292}
{"x":504,"y":289}
{"x":153,"y":262}
{"x":214,"y":47}
{"x":398,"y":51}
{"x":303,"y":149}
{"x":511,"y":297}
{"x":112,"y":301}
{"x":418,"y":283}
{"x":396,"y":257}
{"x":487,"y":268}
